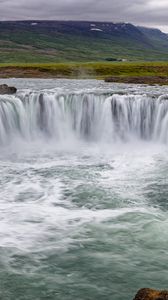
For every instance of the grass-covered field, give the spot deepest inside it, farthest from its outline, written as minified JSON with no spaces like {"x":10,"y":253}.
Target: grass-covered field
{"x":85,"y":70}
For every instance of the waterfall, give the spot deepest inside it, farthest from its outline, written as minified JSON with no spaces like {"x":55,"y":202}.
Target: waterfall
{"x":88,"y":116}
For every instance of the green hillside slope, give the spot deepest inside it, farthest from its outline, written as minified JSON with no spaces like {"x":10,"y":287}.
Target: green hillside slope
{"x":54,"y":41}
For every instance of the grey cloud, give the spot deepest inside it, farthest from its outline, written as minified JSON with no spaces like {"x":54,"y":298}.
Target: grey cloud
{"x":143,"y":12}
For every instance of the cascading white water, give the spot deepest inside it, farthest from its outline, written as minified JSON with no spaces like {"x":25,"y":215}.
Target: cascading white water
{"x":91,"y":116}
{"x":78,"y":218}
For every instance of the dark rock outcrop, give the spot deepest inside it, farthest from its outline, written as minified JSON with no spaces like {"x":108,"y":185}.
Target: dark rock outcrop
{"x":149,"y":294}
{"x":5,"y":89}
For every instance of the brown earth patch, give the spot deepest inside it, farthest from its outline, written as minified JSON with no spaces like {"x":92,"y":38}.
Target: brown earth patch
{"x":19,"y":72}
{"x":151,"y":80}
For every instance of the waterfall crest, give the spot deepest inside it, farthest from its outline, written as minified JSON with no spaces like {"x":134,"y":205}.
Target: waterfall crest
{"x":88,"y":116}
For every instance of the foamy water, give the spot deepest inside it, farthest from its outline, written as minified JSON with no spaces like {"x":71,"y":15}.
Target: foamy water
{"x":83,"y":218}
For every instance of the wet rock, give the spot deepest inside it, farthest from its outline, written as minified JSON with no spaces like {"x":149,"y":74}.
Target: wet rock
{"x":149,"y":294}
{"x":5,"y":89}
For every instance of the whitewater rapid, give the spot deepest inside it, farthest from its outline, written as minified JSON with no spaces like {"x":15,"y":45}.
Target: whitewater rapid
{"x":83,"y":190}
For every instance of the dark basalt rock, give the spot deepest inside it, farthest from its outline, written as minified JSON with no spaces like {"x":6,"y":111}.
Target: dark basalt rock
{"x":149,"y":294}
{"x":5,"y":89}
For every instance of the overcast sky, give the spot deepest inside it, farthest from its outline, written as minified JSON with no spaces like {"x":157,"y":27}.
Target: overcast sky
{"x":152,"y":13}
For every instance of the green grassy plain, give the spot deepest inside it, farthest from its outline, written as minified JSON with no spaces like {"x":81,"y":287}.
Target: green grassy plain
{"x":99,"y":70}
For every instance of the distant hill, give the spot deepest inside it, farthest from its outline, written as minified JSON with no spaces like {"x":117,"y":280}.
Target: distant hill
{"x":63,"y":41}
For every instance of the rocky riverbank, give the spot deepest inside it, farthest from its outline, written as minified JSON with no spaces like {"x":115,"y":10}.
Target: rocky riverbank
{"x":151,"y":80}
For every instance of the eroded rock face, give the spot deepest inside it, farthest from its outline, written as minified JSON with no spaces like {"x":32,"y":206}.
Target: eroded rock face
{"x":5,"y":89}
{"x":149,"y":294}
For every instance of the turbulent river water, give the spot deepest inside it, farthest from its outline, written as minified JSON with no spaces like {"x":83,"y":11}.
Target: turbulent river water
{"x":83,"y":190}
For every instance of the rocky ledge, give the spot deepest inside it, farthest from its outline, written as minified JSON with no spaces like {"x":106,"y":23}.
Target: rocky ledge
{"x":5,"y":89}
{"x":149,"y":294}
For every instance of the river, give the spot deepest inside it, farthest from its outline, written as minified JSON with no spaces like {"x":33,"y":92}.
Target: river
{"x":83,"y":190}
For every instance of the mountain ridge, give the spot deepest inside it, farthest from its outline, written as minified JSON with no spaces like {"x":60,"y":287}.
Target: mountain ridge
{"x":63,"y":41}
